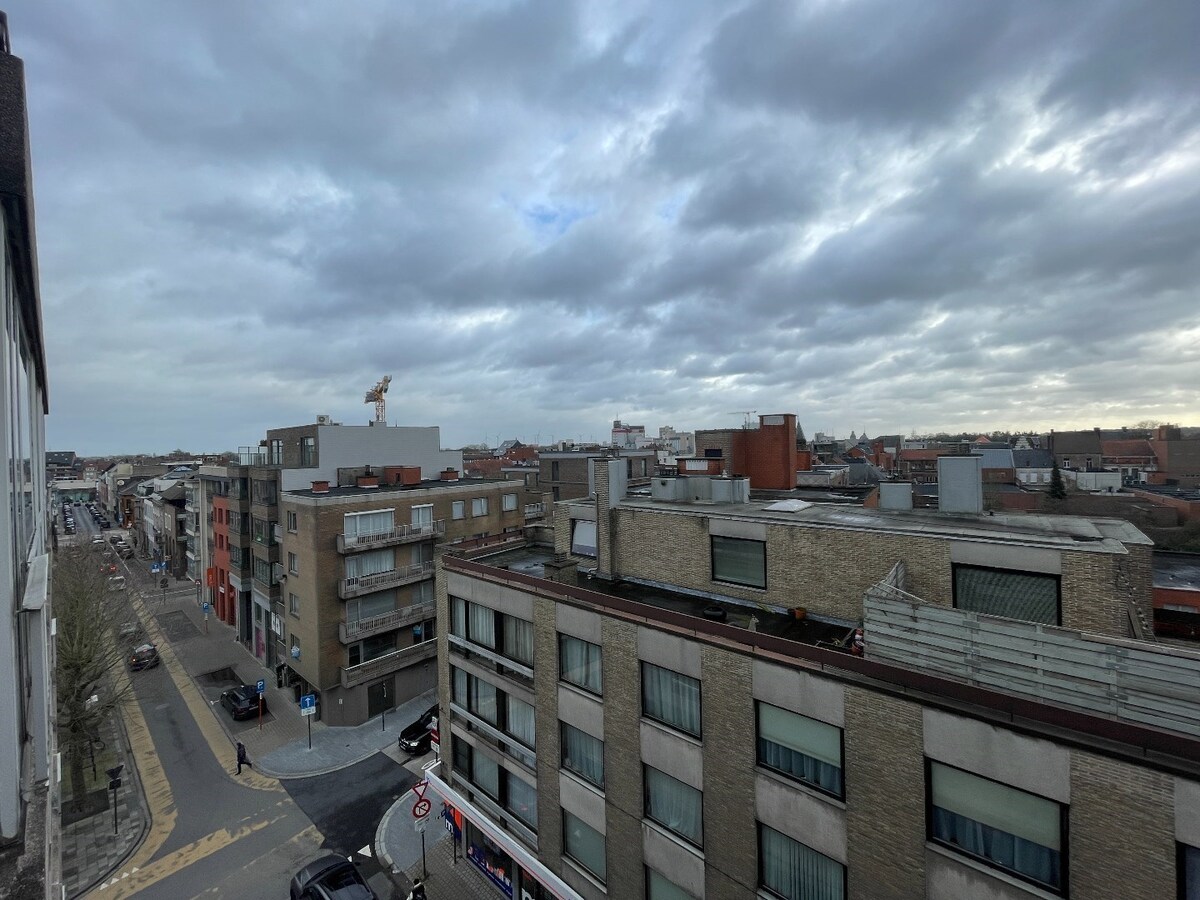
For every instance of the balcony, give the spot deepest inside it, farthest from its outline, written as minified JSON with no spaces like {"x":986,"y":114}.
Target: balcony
{"x":353,"y":676}
{"x":534,"y":510}
{"x":381,"y":581}
{"x":349,"y":632}
{"x":401,"y":534}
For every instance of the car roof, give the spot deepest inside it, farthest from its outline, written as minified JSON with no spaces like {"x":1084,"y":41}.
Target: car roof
{"x":319,"y":867}
{"x":144,"y":648}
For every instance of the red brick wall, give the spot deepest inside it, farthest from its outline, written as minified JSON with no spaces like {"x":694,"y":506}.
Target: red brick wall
{"x":767,"y":455}
{"x":224,"y":601}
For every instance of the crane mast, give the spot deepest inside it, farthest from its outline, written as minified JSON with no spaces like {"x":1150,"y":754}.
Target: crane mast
{"x":376,"y":395}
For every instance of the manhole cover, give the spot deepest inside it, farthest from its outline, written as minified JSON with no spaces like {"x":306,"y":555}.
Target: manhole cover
{"x":177,"y":626}
{"x":221,"y":676}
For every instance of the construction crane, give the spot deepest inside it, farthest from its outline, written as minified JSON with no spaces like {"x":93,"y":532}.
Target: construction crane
{"x":375,"y":395}
{"x":747,"y":413}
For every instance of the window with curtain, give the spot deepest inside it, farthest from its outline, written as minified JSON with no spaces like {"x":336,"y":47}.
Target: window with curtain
{"x":671,"y":698}
{"x":485,"y":775}
{"x":1189,"y":872}
{"x":583,"y":538}
{"x":481,"y":625}
{"x":739,"y":561}
{"x":585,"y":845}
{"x":674,"y":805}
{"x":375,"y":604}
{"x":458,"y":617}
{"x":579,"y":663}
{"x":481,"y":700}
{"x":518,"y":639}
{"x":519,"y":720}
{"x":793,"y":871}
{"x":479,"y":506}
{"x":458,"y":687}
{"x":521,"y":799}
{"x":659,"y":887}
{"x":458,"y":509}
{"x":582,"y":754}
{"x":1003,"y":826}
{"x":375,"y":522}
{"x":1027,"y":596}
{"x":800,"y":748}
{"x":359,"y":565}
{"x":422,"y":515}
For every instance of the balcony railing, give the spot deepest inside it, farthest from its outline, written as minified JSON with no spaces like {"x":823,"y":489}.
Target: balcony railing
{"x":534,"y":510}
{"x":381,"y":581}
{"x":390,"y":662}
{"x":349,"y":632}
{"x":401,"y":534}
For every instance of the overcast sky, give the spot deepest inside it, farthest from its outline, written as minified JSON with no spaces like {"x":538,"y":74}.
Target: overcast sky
{"x":539,"y":216}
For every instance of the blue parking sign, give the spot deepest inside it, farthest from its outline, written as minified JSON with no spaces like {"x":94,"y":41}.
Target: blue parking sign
{"x":262,"y":686}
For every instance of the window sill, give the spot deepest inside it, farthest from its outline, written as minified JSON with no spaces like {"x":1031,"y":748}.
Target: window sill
{"x":582,"y":692}
{"x":998,"y":874}
{"x":740,"y":586}
{"x":584,"y":873}
{"x":802,"y":787}
{"x":580,"y":780}
{"x":671,"y":836}
{"x":673,"y":731}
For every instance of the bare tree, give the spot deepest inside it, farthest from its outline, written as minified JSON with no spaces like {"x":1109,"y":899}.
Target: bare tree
{"x":88,"y":656}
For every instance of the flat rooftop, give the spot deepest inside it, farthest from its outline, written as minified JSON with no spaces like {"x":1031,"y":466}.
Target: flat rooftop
{"x":1055,"y":532}
{"x":433,"y":484}
{"x":1177,"y":570}
{"x":530,"y":560}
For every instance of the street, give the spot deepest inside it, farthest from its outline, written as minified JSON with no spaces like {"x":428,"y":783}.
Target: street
{"x":214,"y":833}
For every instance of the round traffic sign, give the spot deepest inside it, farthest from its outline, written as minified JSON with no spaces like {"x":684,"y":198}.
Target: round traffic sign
{"x":421,"y":808}
{"x":164,"y":582}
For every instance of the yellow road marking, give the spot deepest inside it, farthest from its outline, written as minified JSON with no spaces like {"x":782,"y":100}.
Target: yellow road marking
{"x":130,"y":882}
{"x":309,"y":835}
{"x":216,"y":738}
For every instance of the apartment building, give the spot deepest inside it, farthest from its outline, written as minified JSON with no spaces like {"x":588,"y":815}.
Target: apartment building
{"x":692,"y":695}
{"x":29,"y":795}
{"x":564,"y":473}
{"x":357,"y":573}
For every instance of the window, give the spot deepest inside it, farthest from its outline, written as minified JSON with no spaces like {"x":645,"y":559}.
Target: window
{"x":671,"y":698}
{"x":479,"y":506}
{"x":739,"y":561}
{"x":458,"y":509}
{"x":800,"y":748}
{"x":520,"y":799}
{"x":422,"y":516}
{"x":659,"y":887}
{"x":517,"y":638}
{"x":519,"y":722}
{"x":308,"y":451}
{"x":424,"y":631}
{"x":674,"y":805}
{"x":583,"y":538}
{"x":584,"y":844}
{"x":508,"y":502}
{"x":1002,"y":826}
{"x":582,"y":754}
{"x":1189,"y":872}
{"x":294,"y":604}
{"x":371,"y":648}
{"x":373,"y":562}
{"x":791,"y":870}
{"x":377,"y":603}
{"x":293,"y":564}
{"x":554,"y":472}
{"x":485,"y":775}
{"x":481,"y":625}
{"x":291,"y":521}
{"x":380,"y":521}
{"x":275,"y":453}
{"x":1027,"y":596}
{"x":295,"y":647}
{"x":579,"y":663}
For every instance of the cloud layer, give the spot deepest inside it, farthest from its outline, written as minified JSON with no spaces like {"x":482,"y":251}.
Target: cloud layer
{"x":537,"y":216}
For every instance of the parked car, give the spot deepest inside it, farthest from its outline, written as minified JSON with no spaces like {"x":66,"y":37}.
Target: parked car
{"x":116,"y":582}
{"x":131,"y":631}
{"x":144,"y":656}
{"x":331,"y":877}
{"x":124,"y":551}
{"x":416,"y":736}
{"x":242,"y":702}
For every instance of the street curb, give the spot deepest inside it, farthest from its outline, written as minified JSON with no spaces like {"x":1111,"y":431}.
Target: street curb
{"x":315,"y":772}
{"x":398,"y":877}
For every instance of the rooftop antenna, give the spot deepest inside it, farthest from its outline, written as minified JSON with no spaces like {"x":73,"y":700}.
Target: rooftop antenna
{"x":746,"y":413}
{"x":375,"y":395}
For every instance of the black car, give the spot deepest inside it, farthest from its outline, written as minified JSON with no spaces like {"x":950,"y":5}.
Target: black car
{"x":143,"y":657}
{"x":330,"y":878}
{"x":416,"y":737}
{"x":242,"y":702}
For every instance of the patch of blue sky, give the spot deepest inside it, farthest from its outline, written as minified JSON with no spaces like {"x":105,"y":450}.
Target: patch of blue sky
{"x":551,"y":220}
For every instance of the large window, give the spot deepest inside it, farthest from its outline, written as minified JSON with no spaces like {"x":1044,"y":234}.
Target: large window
{"x":582,"y":754}
{"x":800,"y":748}
{"x":479,"y":506}
{"x":674,"y":805}
{"x":1003,"y":826}
{"x":1028,"y":596}
{"x":793,"y":871}
{"x":579,"y":663}
{"x":504,"y":787}
{"x":511,"y":715}
{"x":583,"y":537}
{"x":671,"y":698}
{"x":373,"y":562}
{"x":379,"y":521}
{"x":494,"y":630}
{"x":659,"y":887}
{"x":1189,"y":872}
{"x":521,"y":799}
{"x":508,"y":502}
{"x":739,"y":561}
{"x":458,"y":509}
{"x":585,"y":845}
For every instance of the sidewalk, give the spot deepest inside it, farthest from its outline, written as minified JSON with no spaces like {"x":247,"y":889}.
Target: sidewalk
{"x":446,"y":878}
{"x":90,"y":848}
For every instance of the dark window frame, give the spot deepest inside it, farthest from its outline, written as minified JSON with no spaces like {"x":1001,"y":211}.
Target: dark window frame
{"x":1181,"y":884}
{"x":1064,"y":817}
{"x":562,"y":677}
{"x":762,"y":886}
{"x":812,"y":785}
{"x":562,"y":759}
{"x":696,"y":735}
{"x":955,"y":567}
{"x":646,"y":808}
{"x":712,"y":561}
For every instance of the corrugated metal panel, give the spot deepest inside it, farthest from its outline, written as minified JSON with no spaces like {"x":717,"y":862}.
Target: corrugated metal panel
{"x":1055,"y":665}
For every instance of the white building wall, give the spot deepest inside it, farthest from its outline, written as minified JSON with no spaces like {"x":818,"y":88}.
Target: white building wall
{"x":346,"y":446}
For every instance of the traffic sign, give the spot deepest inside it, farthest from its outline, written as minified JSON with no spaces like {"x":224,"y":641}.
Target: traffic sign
{"x":205,"y":607}
{"x":165,"y":582}
{"x":308,"y":705}
{"x":421,"y":824}
{"x":421,"y":808}
{"x":262,"y":685}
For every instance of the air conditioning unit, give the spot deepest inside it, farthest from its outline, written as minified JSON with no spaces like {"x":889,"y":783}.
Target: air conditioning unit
{"x":324,"y":420}
{"x":277,"y":572}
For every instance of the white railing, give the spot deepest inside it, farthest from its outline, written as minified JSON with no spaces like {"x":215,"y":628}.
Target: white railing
{"x":534,"y":510}
{"x":362,"y":584}
{"x":398,"y":534}
{"x":396,"y":618}
{"x":389,"y":662}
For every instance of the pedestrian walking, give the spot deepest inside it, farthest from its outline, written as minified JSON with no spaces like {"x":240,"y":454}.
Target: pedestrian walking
{"x":243,"y":760}
{"x":418,"y":891}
